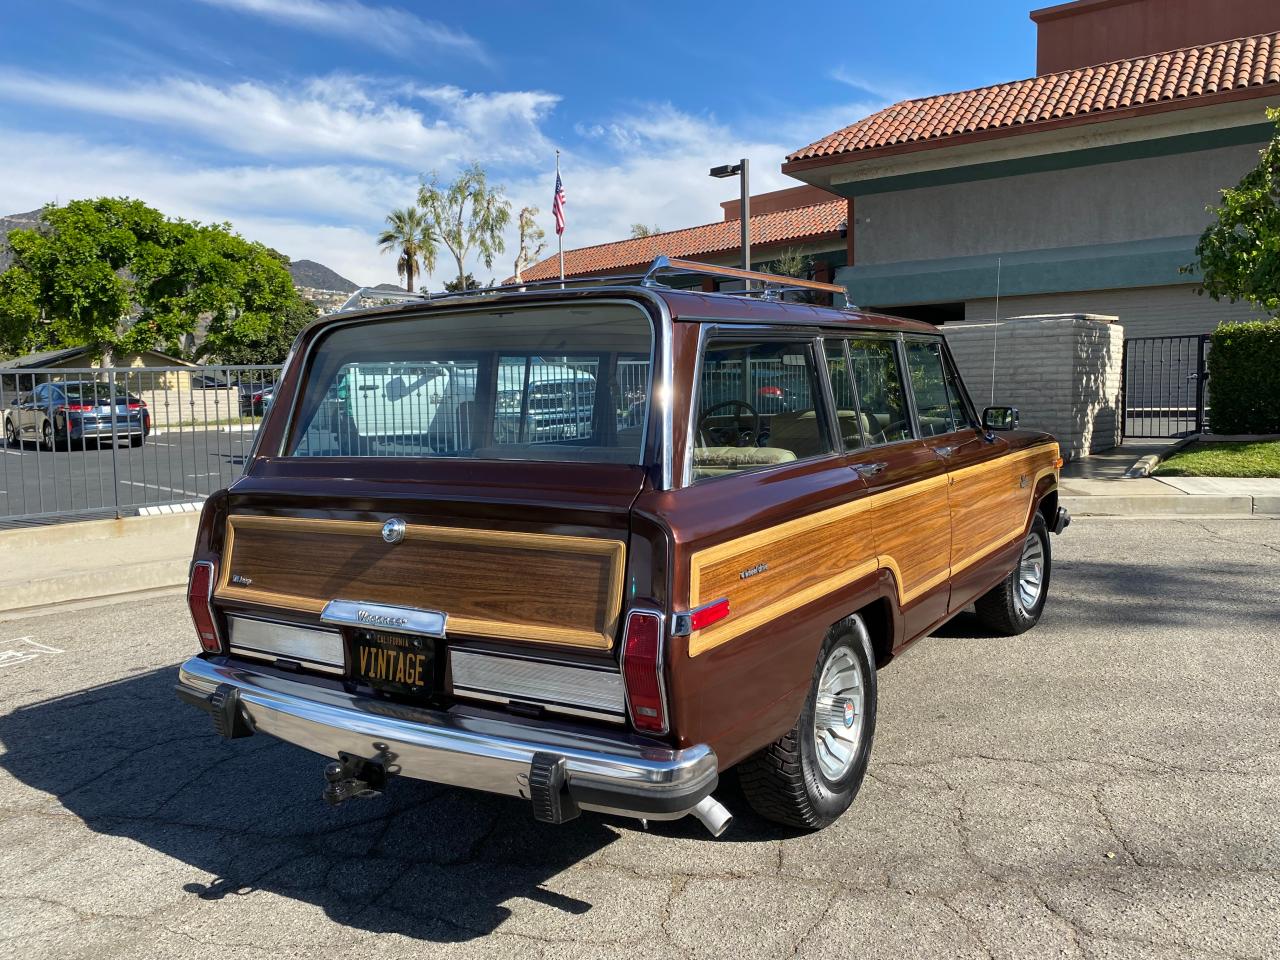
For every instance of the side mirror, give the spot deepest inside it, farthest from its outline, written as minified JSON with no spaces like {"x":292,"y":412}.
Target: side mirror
{"x":1000,"y":418}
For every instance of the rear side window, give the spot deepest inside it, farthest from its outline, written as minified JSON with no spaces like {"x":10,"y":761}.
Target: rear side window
{"x":878,"y":382}
{"x":535,"y":383}
{"x":938,"y":406}
{"x":757,"y":407}
{"x":851,"y":427}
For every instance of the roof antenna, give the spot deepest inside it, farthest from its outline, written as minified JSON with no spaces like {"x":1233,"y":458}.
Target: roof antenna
{"x":995,"y":335}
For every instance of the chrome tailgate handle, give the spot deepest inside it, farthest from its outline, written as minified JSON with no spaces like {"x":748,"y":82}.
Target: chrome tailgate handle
{"x":385,"y":616}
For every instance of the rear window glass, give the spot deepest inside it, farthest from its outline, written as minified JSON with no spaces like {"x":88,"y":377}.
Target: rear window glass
{"x":535,"y":383}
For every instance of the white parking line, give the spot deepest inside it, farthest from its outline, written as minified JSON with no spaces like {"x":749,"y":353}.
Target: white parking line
{"x":22,"y":649}
{"x":156,"y":486}
{"x":197,"y":476}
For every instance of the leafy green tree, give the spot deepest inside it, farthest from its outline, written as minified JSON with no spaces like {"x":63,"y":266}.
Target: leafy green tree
{"x":274,"y":346}
{"x":1238,"y":255}
{"x":411,"y":237}
{"x":20,"y":328}
{"x":467,"y":215}
{"x":116,"y":275}
{"x":468,"y":282}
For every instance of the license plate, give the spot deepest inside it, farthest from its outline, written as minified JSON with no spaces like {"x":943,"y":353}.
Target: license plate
{"x":393,"y":661}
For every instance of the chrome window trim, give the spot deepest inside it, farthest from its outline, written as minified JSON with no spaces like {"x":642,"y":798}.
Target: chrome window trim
{"x":660,"y":358}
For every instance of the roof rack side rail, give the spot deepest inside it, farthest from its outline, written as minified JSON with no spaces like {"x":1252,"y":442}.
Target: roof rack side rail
{"x":373,"y":293}
{"x":771,"y":283}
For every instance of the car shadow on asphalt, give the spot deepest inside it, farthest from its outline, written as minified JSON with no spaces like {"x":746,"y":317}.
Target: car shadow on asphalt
{"x":425,"y":861}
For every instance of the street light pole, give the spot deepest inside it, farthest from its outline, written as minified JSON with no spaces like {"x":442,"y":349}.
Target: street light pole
{"x":744,"y":178}
{"x":741,"y":169}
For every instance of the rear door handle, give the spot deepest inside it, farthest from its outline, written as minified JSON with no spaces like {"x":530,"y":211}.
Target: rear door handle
{"x":870,"y":469}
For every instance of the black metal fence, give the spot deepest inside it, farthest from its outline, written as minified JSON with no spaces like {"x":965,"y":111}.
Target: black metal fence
{"x":1164,"y":386}
{"x":110,"y":442}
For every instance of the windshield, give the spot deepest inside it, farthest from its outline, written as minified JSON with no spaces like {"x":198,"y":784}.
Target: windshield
{"x":532,"y":383}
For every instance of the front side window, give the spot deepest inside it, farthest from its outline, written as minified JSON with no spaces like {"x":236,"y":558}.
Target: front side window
{"x":882,"y":402}
{"x":542,"y":383}
{"x":938,"y":406}
{"x":757,"y":407}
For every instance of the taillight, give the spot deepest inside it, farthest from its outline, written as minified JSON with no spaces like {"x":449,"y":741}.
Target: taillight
{"x":77,"y":407}
{"x":200,"y":603}
{"x":775,"y":392}
{"x":642,"y":671}
{"x":138,"y":406}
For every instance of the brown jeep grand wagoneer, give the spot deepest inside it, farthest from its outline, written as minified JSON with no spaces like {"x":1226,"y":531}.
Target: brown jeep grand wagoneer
{"x":595,"y":545}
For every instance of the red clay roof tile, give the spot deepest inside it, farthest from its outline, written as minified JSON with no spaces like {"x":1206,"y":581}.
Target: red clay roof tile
{"x":796,"y":224}
{"x":1176,"y":75}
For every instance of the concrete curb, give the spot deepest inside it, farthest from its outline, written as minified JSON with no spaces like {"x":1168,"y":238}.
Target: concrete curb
{"x":1170,"y":505}
{"x":1147,"y":465}
{"x":94,"y":559}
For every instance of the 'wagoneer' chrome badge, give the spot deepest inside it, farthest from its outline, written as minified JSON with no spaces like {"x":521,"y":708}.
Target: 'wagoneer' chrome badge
{"x":393,"y":530}
{"x":380,"y":619}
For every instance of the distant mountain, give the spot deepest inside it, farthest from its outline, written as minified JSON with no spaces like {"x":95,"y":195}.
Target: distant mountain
{"x":14,"y":221}
{"x":389,"y":286}
{"x":308,"y":273}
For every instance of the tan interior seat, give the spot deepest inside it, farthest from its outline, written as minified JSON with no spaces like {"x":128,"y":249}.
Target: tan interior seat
{"x":798,"y":432}
{"x":713,"y":461}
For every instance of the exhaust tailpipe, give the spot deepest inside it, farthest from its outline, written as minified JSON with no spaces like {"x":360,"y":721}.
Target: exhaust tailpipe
{"x":713,"y":814}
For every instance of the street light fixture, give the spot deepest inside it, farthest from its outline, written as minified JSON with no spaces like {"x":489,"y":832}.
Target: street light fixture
{"x":741,"y":169}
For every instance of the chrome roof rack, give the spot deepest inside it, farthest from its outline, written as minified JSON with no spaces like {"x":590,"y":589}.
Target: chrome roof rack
{"x":768,"y":286}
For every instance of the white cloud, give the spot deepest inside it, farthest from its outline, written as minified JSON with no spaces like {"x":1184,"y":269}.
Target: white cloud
{"x":386,"y":28}
{"x":339,"y":116}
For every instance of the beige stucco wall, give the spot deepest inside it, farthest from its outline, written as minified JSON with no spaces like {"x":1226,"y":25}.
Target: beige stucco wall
{"x":1105,"y":203}
{"x":1142,"y":311}
{"x":1063,"y":374}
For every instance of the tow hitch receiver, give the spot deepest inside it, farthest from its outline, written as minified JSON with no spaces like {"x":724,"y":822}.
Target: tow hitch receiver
{"x":350,"y":776}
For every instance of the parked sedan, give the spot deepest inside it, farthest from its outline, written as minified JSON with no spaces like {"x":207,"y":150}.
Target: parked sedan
{"x":255,"y":401}
{"x":75,"y":412}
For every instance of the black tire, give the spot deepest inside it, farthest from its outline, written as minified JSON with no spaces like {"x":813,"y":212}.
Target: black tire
{"x":1004,"y":608}
{"x":785,"y":781}
{"x":11,"y":436}
{"x":48,"y":439}
{"x":137,"y":439}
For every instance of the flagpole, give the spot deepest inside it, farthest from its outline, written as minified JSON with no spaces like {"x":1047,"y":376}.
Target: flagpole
{"x":559,"y":234}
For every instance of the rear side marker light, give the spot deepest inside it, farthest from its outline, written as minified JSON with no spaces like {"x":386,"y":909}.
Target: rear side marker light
{"x":701,"y":617}
{"x":642,"y":671}
{"x":200,"y":603}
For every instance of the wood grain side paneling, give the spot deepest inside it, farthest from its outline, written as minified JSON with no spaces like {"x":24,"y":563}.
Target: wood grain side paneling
{"x":794,"y":563}
{"x":514,"y":585}
{"x":913,"y":535}
{"x":990,"y":502}
{"x":923,"y":532}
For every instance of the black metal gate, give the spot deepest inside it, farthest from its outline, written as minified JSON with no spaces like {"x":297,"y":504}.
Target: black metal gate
{"x":1164,"y":386}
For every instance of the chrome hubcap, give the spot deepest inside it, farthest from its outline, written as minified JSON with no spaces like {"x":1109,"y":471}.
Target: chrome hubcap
{"x":838,"y":717}
{"x":1030,"y":573}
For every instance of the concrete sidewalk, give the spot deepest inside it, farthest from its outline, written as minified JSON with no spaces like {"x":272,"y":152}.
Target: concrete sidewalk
{"x":1098,"y":486}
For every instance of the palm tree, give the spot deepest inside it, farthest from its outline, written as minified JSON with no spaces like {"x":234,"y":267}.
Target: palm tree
{"x":411,"y":237}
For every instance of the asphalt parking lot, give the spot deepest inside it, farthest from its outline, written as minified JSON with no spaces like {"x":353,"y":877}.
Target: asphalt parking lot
{"x":1104,"y":786}
{"x":173,"y":465}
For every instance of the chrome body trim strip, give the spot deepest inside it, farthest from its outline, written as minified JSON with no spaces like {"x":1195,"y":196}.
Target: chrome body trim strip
{"x":385,"y":616}
{"x":540,"y":682}
{"x":275,"y":639}
{"x":457,"y":746}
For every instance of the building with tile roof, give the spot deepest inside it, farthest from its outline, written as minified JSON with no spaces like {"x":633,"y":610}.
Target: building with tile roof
{"x":806,"y":219}
{"x":1084,"y":188}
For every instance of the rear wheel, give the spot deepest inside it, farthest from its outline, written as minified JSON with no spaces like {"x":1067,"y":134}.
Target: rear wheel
{"x":46,"y":435}
{"x":809,"y":776}
{"x":1015,"y":604}
{"x":11,"y":437}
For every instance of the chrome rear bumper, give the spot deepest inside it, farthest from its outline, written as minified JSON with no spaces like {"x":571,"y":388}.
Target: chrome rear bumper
{"x":461,"y":747}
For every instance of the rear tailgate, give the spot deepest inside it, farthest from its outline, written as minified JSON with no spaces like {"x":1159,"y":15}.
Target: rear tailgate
{"x":540,"y":561}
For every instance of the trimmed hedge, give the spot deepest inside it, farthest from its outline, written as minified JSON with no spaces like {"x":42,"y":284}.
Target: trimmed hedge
{"x":1244,"y":377}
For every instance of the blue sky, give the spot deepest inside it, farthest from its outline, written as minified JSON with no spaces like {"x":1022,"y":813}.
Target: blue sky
{"x":304,"y":121}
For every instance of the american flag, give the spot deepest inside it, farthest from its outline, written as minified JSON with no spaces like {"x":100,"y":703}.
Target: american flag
{"x":557,"y":205}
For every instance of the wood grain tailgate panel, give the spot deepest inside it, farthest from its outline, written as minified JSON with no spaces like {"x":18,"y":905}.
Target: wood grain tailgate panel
{"x":491,"y":583}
